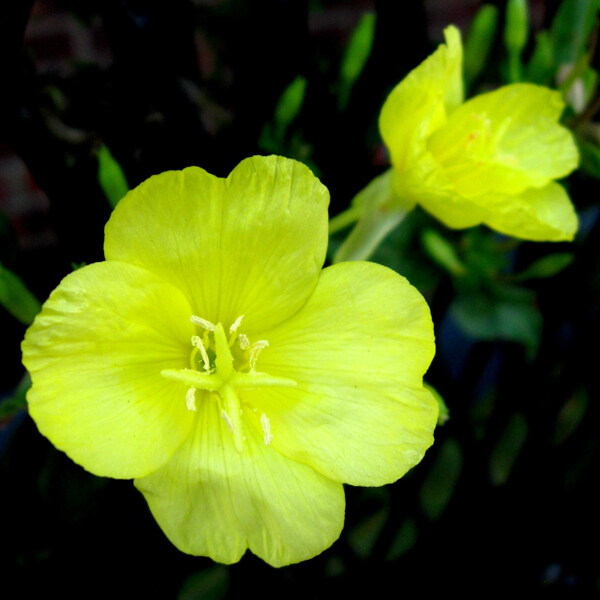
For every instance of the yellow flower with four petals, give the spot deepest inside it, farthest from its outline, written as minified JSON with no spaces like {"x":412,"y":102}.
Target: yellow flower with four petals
{"x":213,"y":360}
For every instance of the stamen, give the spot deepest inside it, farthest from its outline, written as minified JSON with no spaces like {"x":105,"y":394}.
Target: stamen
{"x":244,"y":341}
{"x":236,"y":324}
{"x":197,"y":343}
{"x":202,"y":323}
{"x":233,"y":331}
{"x":266,"y":427}
{"x":227,"y":420}
{"x":254,"y":351}
{"x":190,"y":399}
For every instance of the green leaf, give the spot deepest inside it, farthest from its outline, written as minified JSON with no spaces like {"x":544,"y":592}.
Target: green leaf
{"x":16,"y":298}
{"x":570,"y":416}
{"x":571,"y":28}
{"x":545,"y":267}
{"x":441,"y":480}
{"x":13,"y":404}
{"x":363,"y":536}
{"x":516,"y":27}
{"x":541,"y":68}
{"x":289,"y":105}
{"x":111,"y":178}
{"x":589,"y":153}
{"x":404,"y":540}
{"x":210,"y":584}
{"x":356,"y":55}
{"x":507,"y":449}
{"x":273,"y":134}
{"x":516,"y":32}
{"x":484,"y":316}
{"x":479,"y":41}
{"x":442,"y":252}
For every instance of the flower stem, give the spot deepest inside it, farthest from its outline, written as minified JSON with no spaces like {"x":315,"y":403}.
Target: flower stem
{"x":368,"y":233}
{"x":344,"y":219}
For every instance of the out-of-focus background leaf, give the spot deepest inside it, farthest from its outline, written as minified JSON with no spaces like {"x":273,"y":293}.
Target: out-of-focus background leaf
{"x":97,"y":96}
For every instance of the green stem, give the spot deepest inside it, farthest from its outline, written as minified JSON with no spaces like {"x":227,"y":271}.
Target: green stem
{"x":344,"y":219}
{"x":368,"y":233}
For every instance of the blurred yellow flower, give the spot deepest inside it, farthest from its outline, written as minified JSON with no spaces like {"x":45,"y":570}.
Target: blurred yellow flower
{"x":210,"y":358}
{"x":493,"y":159}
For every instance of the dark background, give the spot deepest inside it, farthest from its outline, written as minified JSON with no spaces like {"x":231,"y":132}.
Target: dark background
{"x":505,"y":500}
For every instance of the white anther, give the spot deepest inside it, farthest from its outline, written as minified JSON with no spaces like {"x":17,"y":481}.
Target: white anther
{"x":244,"y":341}
{"x":236,"y":324}
{"x":202,"y":323}
{"x":227,"y":420}
{"x":266,"y":427}
{"x":197,"y":343}
{"x":190,"y":399}
{"x":255,"y":350}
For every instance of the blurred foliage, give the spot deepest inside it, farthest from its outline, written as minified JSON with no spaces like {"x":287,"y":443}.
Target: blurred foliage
{"x":479,"y":41}
{"x":111,"y":178}
{"x":16,"y":298}
{"x":355,"y":57}
{"x":507,"y":493}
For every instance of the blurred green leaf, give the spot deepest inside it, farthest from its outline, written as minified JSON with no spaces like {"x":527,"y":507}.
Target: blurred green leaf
{"x":516,"y":32}
{"x":516,"y":26}
{"x":363,"y":536}
{"x":571,"y":28}
{"x":442,"y":252}
{"x":589,"y":153}
{"x":69,"y":487}
{"x":16,"y":298}
{"x":484,"y":316}
{"x":210,"y":584}
{"x":507,"y":449}
{"x":541,"y":68}
{"x":356,"y":55}
{"x":570,"y":416}
{"x":289,"y":104}
{"x":404,"y":540}
{"x":479,"y":41}
{"x":111,"y":178}
{"x":441,"y":480}
{"x":13,"y":404}
{"x":273,"y":134}
{"x":545,"y":267}
{"x":483,"y":254}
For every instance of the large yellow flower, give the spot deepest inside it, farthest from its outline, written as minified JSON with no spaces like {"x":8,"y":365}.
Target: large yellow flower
{"x":492,"y":159}
{"x":210,"y":358}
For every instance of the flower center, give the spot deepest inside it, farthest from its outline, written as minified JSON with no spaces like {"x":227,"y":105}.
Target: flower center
{"x":223,"y":364}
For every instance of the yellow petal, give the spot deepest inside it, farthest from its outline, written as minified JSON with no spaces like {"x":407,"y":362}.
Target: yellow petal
{"x":538,"y":214}
{"x":358,"y":350}
{"x":420,"y":102}
{"x":505,"y":141}
{"x":95,"y":354}
{"x":251,"y":244}
{"x":213,"y":501}
{"x":428,"y":185}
